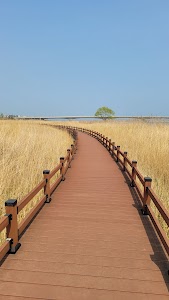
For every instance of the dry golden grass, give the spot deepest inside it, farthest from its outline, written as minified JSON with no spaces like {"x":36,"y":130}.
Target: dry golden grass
{"x":26,"y":149}
{"x":148,"y":143}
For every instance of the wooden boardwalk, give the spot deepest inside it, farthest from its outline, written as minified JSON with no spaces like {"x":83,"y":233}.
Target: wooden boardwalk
{"x":90,"y":242}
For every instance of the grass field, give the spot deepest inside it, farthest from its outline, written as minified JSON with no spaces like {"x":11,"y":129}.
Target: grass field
{"x":26,"y":149}
{"x":148,"y":143}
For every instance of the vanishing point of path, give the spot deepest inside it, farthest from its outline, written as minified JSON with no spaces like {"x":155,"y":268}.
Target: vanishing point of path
{"x":90,"y":242}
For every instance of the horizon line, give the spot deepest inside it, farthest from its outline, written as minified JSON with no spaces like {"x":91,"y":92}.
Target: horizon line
{"x":91,"y":117}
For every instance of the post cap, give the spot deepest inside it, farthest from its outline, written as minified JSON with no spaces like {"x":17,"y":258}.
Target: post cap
{"x":11,"y":202}
{"x":147,"y":179}
{"x":46,"y":171}
{"x":62,"y":158}
{"x":134,"y":161}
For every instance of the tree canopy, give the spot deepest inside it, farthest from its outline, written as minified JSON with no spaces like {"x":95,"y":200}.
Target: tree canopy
{"x":104,"y":112}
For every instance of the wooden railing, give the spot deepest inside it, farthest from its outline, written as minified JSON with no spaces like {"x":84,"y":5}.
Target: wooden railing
{"x":9,"y":222}
{"x":140,"y":183}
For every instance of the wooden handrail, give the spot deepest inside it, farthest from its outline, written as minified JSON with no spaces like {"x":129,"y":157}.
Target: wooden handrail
{"x":129,"y":162}
{"x":140,"y":177}
{"x":55,"y":184}
{"x":55,"y":170}
{"x":4,"y":222}
{"x":30,"y":215}
{"x":148,"y":195}
{"x":4,"y":249}
{"x":162,"y":210}
{"x":159,"y":230}
{"x":31,"y":195}
{"x":9,"y":221}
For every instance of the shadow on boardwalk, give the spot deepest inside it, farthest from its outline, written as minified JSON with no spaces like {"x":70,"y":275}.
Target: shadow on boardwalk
{"x":159,"y":257}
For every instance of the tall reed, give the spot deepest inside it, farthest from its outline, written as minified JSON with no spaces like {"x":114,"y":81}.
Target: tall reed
{"x":26,"y":149}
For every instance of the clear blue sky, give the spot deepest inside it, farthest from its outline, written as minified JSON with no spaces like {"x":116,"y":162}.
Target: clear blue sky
{"x":69,"y":57}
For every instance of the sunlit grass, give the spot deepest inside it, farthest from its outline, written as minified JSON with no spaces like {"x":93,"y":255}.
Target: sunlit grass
{"x":26,"y":149}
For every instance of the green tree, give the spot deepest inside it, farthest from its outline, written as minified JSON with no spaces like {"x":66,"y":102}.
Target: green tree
{"x":1,"y":116}
{"x":104,"y":112}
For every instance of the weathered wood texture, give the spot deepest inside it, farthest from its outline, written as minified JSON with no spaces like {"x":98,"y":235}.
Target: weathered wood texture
{"x":90,"y":242}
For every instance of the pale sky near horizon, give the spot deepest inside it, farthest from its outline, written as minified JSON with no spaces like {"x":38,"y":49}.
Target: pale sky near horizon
{"x":60,"y":57}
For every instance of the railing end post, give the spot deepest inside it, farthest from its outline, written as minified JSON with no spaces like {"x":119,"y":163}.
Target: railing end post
{"x":12,"y":229}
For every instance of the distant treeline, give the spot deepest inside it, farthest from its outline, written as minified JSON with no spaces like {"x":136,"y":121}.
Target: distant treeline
{"x":2,"y":116}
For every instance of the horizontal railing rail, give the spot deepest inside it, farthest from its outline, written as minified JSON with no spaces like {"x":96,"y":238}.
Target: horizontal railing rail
{"x":137,"y":180}
{"x":5,"y":222}
{"x":9,"y":221}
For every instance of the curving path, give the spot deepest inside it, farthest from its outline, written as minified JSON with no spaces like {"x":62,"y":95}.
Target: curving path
{"x":90,"y":242}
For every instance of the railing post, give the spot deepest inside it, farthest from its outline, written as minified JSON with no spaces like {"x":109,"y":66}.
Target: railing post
{"x":72,"y":150}
{"x":146,"y":203}
{"x":72,"y":147}
{"x":134,"y":165}
{"x":62,"y":170}
{"x":113,"y":148}
{"x":118,"y":148}
{"x":47,"y":185}
{"x":12,"y":228}
{"x":75,"y":148}
{"x":106,"y":142}
{"x":109,"y":145}
{"x":124,"y":161}
{"x":103,"y":140}
{"x":69,"y":158}
{"x":98,"y":136}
